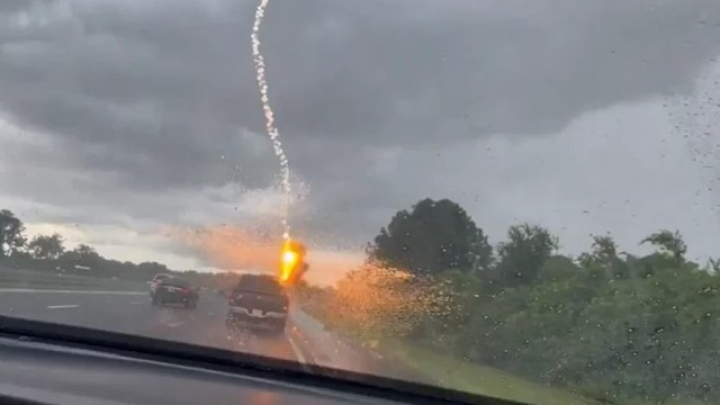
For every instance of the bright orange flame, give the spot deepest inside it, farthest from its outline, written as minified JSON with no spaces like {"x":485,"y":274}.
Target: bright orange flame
{"x":236,"y":248}
{"x":289,"y":259}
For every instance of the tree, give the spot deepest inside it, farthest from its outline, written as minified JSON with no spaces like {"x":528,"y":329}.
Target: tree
{"x":524,"y":254}
{"x":434,"y":236}
{"x":604,"y":259}
{"x":45,"y":247}
{"x":11,"y":233}
{"x":668,"y":242}
{"x":714,"y":265}
{"x":85,"y":252}
{"x":603,"y":250}
{"x":557,"y":268}
{"x":604,"y":247}
{"x":83,"y":255}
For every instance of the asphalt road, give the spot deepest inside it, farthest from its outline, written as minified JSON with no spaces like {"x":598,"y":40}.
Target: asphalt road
{"x":133,"y":313}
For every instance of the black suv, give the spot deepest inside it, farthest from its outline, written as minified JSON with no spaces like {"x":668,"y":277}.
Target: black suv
{"x":258,"y":301}
{"x":175,"y":291}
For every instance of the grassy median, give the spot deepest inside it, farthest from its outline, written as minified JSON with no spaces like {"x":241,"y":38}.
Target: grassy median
{"x":452,"y":373}
{"x":455,"y":374}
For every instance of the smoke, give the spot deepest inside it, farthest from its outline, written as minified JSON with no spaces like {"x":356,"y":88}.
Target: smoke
{"x":233,"y":248}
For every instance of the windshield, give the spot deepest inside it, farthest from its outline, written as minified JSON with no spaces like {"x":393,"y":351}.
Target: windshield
{"x":516,"y":199}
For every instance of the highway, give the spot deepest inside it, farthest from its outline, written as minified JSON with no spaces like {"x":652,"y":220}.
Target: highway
{"x":132,"y":312}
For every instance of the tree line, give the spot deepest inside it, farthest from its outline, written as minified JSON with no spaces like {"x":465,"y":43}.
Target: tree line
{"x":612,"y":325}
{"x":49,"y":253}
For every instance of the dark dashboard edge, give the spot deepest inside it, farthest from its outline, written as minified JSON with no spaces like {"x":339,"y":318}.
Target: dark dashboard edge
{"x":216,"y":359}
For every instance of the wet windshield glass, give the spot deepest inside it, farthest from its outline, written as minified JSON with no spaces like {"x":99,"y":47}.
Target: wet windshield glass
{"x":509,"y":198}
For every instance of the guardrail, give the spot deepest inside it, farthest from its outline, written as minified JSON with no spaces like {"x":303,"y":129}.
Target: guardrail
{"x":23,"y":278}
{"x":317,"y":340}
{"x":330,"y":349}
{"x":335,"y":350}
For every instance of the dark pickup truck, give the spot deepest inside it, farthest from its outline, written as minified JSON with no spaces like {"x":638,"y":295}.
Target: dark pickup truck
{"x":258,"y":301}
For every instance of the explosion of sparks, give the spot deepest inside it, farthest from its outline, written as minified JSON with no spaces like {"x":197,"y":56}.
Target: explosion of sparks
{"x":374,"y":301}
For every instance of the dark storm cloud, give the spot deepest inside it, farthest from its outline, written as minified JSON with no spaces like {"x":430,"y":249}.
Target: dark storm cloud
{"x":495,"y":67}
{"x":161,"y":95}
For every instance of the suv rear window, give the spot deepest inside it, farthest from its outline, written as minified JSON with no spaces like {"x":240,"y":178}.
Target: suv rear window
{"x":175,"y":282}
{"x":261,"y":284}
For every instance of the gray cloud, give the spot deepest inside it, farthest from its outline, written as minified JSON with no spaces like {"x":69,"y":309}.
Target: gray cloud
{"x":159,"y":98}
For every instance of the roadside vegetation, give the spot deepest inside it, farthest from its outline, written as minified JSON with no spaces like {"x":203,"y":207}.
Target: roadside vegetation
{"x":608,"y":325}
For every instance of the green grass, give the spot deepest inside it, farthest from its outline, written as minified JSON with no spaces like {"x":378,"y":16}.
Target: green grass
{"x":428,"y":366}
{"x":452,"y":373}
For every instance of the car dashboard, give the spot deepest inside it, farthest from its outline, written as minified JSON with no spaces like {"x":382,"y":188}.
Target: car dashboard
{"x":53,"y":364}
{"x":46,"y":374}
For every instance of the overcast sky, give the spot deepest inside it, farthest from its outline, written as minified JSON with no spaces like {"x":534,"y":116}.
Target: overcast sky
{"x":123,"y":119}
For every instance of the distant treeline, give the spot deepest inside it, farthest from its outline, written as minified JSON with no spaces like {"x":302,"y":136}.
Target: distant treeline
{"x":48,"y":253}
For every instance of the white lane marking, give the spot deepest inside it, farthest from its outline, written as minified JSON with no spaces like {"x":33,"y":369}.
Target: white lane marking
{"x":138,"y":303}
{"x":301,"y":358}
{"x":62,"y":306}
{"x":173,"y":324}
{"x":86,"y":292}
